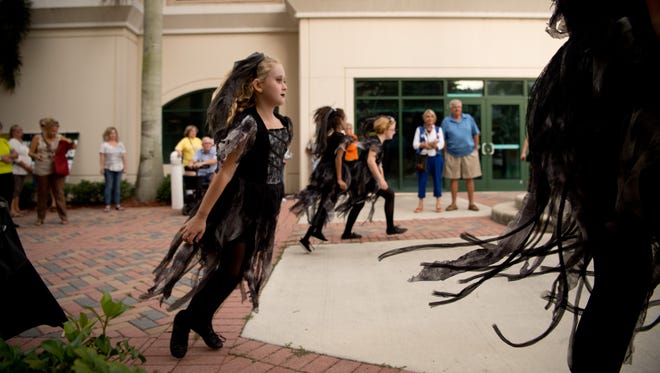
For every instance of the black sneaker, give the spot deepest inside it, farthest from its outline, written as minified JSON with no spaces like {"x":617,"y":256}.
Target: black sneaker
{"x":396,"y":230}
{"x":212,"y":339}
{"x":350,"y":236}
{"x":305,"y":243}
{"x":319,"y":235}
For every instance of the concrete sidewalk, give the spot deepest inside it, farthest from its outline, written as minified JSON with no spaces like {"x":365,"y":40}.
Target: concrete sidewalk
{"x":117,"y":251}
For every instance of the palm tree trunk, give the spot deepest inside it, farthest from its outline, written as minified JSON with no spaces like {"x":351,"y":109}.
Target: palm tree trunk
{"x":150,"y":169}
{"x":15,"y":18}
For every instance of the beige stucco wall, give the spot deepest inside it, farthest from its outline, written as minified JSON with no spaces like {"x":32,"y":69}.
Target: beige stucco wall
{"x":87,"y":80}
{"x":333,"y":52}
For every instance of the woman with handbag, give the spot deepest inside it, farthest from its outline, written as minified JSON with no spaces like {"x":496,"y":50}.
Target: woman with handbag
{"x":48,"y":175}
{"x":428,"y":143}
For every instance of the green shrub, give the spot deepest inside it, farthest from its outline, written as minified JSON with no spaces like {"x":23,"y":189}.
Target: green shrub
{"x":92,"y":192}
{"x":84,"y":193}
{"x":164,"y":193}
{"x":80,"y":351}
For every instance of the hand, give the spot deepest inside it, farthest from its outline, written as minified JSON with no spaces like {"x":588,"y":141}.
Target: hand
{"x":383,"y":185}
{"x":102,"y":171}
{"x":193,"y":229}
{"x":342,"y":184}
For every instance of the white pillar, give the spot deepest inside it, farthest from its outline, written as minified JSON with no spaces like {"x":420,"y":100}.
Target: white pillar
{"x":176,"y":180}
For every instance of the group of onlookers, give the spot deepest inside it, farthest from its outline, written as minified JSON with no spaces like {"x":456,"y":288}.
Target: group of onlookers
{"x":45,"y":158}
{"x":450,"y":149}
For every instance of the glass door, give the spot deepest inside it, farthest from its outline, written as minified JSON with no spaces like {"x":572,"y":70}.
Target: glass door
{"x":502,"y":134}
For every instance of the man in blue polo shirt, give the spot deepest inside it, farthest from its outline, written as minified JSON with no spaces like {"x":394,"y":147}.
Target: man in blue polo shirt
{"x":462,"y":156}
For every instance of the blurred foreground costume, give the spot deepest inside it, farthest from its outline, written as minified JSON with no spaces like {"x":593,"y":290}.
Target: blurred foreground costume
{"x":594,"y":133}
{"x":27,"y":302}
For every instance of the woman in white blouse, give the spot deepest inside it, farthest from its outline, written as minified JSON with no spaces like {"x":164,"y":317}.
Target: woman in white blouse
{"x":113,"y":165}
{"x":430,"y":141}
{"x":21,"y":168}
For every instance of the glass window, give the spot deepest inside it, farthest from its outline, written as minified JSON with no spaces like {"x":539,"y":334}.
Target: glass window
{"x":465,"y":88}
{"x":530,"y":84}
{"x":422,"y":88}
{"x":505,"y":87}
{"x":376,"y":88}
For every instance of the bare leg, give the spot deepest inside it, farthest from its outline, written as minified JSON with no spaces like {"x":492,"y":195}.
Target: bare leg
{"x":454,"y":191}
{"x":469,"y":185}
{"x":14,"y":210}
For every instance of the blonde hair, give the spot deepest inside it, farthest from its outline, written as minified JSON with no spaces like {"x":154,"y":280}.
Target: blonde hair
{"x":431,"y":112}
{"x":382,"y":123}
{"x":50,"y":123}
{"x":245,"y":97}
{"x":106,"y":133}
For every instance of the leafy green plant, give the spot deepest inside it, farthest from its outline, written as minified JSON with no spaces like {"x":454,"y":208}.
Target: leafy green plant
{"x":81,"y":350}
{"x":92,"y":192}
{"x":164,"y":193}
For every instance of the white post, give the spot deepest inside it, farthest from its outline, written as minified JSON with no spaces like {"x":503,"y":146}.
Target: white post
{"x":176,"y":180}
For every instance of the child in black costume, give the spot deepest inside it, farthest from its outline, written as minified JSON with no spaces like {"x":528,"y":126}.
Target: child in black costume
{"x":593,"y":123}
{"x":232,"y":232}
{"x":368,"y":178}
{"x":327,"y":181}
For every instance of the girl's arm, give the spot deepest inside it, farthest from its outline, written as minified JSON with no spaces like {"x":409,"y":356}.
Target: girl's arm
{"x":123,"y":159}
{"x":194,"y":228}
{"x":339,"y":158}
{"x":376,"y":170}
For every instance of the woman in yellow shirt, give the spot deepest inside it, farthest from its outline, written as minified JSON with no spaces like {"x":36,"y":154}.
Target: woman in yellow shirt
{"x":188,"y":145}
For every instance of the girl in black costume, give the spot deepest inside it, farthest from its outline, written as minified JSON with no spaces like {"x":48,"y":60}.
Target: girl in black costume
{"x":327,"y":182}
{"x":231,"y":233}
{"x":594,"y":133}
{"x":368,"y":178}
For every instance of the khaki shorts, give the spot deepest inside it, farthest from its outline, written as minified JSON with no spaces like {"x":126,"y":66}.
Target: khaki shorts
{"x":467,"y":167}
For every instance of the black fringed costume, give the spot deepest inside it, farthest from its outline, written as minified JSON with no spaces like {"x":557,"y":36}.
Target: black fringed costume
{"x":364,"y":187}
{"x":244,"y":216}
{"x":319,"y":197}
{"x":594,"y":133}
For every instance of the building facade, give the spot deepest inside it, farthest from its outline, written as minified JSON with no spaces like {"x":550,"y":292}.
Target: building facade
{"x":82,"y":65}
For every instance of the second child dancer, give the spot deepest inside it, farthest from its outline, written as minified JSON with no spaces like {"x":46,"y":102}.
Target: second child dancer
{"x":368,"y":178}
{"x":329,"y":178}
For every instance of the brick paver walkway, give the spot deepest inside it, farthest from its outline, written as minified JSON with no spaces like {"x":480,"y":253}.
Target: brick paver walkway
{"x":117,"y":251}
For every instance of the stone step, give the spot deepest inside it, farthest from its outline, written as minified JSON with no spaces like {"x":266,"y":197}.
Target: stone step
{"x":504,"y":212}
{"x":519,"y":200}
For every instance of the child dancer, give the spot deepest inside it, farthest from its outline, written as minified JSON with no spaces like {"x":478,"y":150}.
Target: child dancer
{"x":369,"y":179}
{"x":232,"y":233}
{"x":327,"y":182}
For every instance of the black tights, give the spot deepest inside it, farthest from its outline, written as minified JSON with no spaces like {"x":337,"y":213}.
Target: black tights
{"x":219,"y":286}
{"x":388,"y":195}
{"x":321,"y":215}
